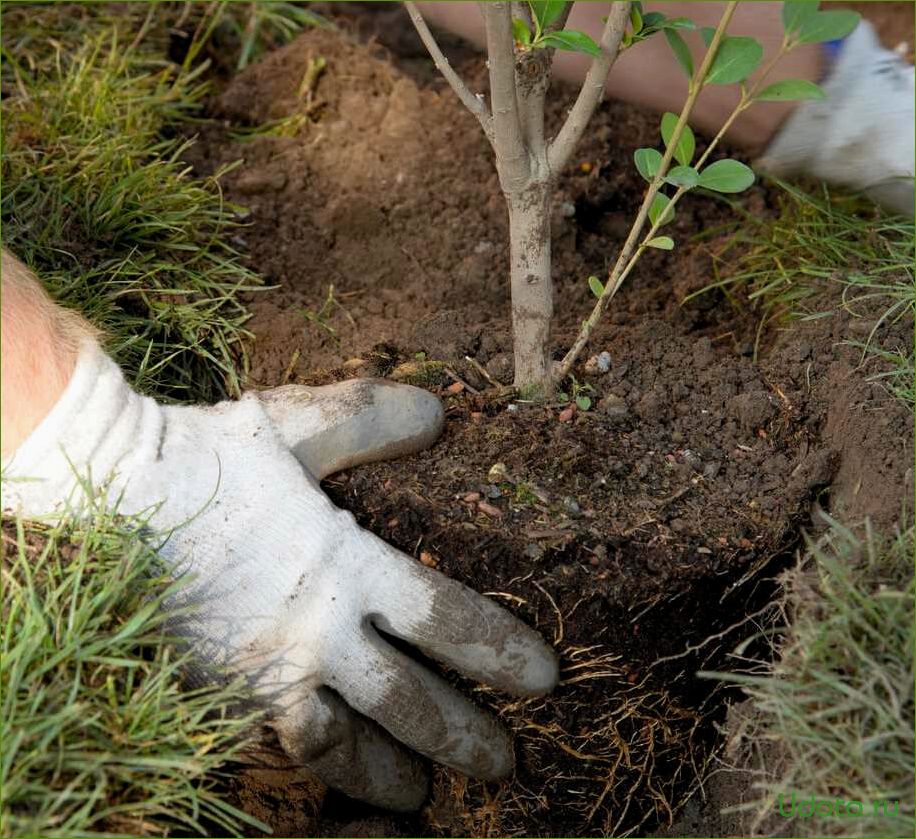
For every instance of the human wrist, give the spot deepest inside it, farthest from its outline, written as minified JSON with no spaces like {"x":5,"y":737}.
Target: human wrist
{"x":94,"y":425}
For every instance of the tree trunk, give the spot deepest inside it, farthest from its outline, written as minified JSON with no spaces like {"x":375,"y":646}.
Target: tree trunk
{"x":532,"y":287}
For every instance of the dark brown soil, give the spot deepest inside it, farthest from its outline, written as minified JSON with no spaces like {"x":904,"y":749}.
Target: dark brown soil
{"x":640,"y":535}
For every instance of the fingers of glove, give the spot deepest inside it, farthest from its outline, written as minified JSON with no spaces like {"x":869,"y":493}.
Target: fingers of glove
{"x":350,"y":753}
{"x":421,"y":710}
{"x":358,"y":421}
{"x":459,"y":627}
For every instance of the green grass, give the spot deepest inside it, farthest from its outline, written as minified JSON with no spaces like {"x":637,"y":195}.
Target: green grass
{"x":98,"y":734}
{"x":98,"y":202}
{"x":822,"y":251}
{"x":96,"y":197}
{"x":836,"y":707}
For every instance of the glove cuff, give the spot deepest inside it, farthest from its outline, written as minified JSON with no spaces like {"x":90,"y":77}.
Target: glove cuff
{"x":95,"y":426}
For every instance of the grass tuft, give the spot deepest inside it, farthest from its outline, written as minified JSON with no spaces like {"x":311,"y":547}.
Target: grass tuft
{"x":98,"y":202}
{"x":835,"y":710}
{"x":782,"y":266}
{"x":98,"y":735}
{"x":96,"y":197}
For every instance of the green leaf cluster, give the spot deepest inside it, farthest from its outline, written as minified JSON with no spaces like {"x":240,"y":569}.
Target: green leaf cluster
{"x":805,"y":23}
{"x":645,"y":24}
{"x":544,"y":13}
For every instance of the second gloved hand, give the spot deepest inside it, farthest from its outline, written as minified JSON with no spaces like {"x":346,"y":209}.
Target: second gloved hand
{"x":285,"y":587}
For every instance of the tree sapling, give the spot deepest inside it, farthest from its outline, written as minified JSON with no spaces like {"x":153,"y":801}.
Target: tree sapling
{"x":521,"y":38}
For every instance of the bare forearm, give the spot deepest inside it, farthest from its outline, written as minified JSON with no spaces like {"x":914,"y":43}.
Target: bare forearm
{"x":39,"y":342}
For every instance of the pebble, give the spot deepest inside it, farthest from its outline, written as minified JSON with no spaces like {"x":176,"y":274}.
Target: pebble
{"x":427,"y":559}
{"x":493,"y":491}
{"x":498,"y":472}
{"x":567,"y":209}
{"x":471,"y":497}
{"x":354,"y":363}
{"x":455,"y":388}
{"x":693,"y":460}
{"x":489,"y":509}
{"x":567,"y":414}
{"x":600,"y":363}
{"x":483,"y":246}
{"x":571,"y":507}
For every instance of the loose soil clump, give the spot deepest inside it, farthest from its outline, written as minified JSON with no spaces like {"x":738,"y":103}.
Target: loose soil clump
{"x":640,"y":536}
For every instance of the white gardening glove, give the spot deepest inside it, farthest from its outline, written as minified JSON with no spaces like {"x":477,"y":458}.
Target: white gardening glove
{"x":284,"y":586}
{"x":862,"y":135}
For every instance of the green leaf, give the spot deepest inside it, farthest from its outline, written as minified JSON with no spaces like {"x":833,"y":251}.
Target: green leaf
{"x":735,"y":60}
{"x":569,"y":40}
{"x":660,"y":209}
{"x":583,"y":403}
{"x":726,"y":176}
{"x":521,"y":32}
{"x":596,"y":286}
{"x":653,"y":20}
{"x":828,"y":26}
{"x":679,"y":23}
{"x":663,"y":243}
{"x":546,"y":12}
{"x":681,"y":51}
{"x":707,"y":32}
{"x":790,"y":90}
{"x":686,"y":143}
{"x":636,"y":18}
{"x":685,"y":176}
{"x":647,"y":162}
{"x":796,"y":12}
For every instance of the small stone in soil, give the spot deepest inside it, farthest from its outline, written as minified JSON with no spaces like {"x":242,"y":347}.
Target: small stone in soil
{"x":693,"y":460}
{"x":427,"y":559}
{"x":567,"y":414}
{"x":455,"y":388}
{"x":498,"y":472}
{"x":598,"y":364}
{"x":710,"y":470}
{"x":472,"y":497}
{"x":571,"y":507}
{"x":493,"y":491}
{"x":353,"y":363}
{"x":489,"y":509}
{"x":476,"y":416}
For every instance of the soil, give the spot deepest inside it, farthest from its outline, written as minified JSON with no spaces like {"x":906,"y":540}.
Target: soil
{"x":640,"y":536}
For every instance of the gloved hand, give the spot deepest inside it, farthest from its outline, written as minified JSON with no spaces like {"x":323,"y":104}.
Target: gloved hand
{"x":861,"y":136}
{"x":285,"y":587}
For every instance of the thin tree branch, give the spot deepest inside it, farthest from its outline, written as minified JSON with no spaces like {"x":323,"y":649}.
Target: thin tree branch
{"x":473,"y":103}
{"x":590,"y":95}
{"x":627,"y":258}
{"x":511,"y":154}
